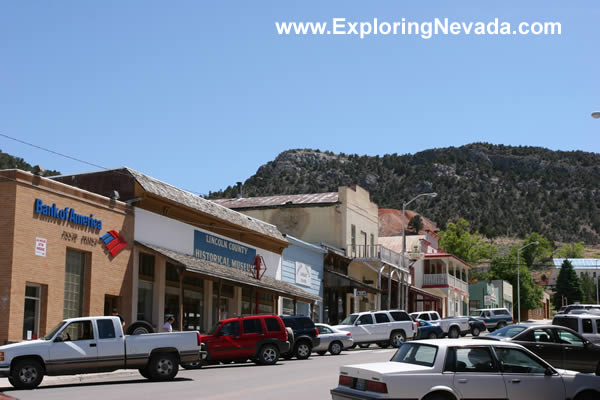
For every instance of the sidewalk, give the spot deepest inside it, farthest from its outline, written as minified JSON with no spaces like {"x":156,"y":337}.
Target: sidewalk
{"x":75,"y":379}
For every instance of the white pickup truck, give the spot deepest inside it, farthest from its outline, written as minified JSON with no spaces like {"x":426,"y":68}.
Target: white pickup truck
{"x":97,"y":344}
{"x":453,"y":327}
{"x":381,"y":327}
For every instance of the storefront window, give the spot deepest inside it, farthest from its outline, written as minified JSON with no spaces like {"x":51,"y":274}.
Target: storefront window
{"x":246,"y":301}
{"x":172,"y":304}
{"x":74,"y":273}
{"x":266,"y":303}
{"x":144,"y":306}
{"x":145,"y":288}
{"x":221,"y":310}
{"x":193,"y":305}
{"x":31,"y":315}
{"x":302,"y":309}
{"x":317,"y":312}
{"x":146,"y":268}
{"x":287,"y":307}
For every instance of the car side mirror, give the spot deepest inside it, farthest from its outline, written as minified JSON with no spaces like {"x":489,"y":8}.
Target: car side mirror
{"x":548,"y":372}
{"x":357,"y":322}
{"x":58,"y":339}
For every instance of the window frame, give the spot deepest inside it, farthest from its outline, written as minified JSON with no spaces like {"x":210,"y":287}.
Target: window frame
{"x":38,"y":305}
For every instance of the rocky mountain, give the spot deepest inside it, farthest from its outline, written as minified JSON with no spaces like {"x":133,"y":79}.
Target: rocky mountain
{"x":501,"y":190}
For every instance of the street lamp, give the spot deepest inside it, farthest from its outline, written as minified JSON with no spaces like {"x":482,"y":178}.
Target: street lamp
{"x":434,"y":194}
{"x":519,"y":279}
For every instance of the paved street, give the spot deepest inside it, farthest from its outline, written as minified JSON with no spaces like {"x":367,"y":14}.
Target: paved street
{"x":289,"y":380}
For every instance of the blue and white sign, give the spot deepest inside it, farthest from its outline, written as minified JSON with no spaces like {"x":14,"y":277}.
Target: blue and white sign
{"x":222,"y":251}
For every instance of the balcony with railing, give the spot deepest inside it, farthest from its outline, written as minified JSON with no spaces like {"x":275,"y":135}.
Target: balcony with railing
{"x":375,"y":252}
{"x":432,"y":280}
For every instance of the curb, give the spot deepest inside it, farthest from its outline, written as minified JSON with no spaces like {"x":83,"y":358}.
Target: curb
{"x":74,"y":379}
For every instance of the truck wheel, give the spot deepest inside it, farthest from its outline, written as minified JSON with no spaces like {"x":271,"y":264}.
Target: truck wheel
{"x":454,"y":332}
{"x":268,"y":355}
{"x":475,"y":331}
{"x":139,"y":328}
{"x":163,"y":367}
{"x":335,"y":348}
{"x":500,"y":325}
{"x":397,"y":338}
{"x":303,"y":350}
{"x":27,"y":374}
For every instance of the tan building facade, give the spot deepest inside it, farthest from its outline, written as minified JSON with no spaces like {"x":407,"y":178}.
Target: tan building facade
{"x":358,"y":272}
{"x":53,"y":260}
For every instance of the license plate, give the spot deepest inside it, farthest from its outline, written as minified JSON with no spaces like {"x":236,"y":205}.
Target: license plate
{"x":361,"y":384}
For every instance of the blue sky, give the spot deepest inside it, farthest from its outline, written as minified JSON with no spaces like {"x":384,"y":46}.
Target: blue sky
{"x":200,"y":94}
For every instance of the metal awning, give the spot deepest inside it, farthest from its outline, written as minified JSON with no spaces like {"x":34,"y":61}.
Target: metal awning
{"x":353,"y":281}
{"x":217,"y":271}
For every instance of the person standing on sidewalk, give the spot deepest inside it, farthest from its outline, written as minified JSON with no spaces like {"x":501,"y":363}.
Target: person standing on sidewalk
{"x":168,"y":326}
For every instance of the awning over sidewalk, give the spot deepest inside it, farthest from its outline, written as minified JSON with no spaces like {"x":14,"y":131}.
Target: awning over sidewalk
{"x":217,"y":271}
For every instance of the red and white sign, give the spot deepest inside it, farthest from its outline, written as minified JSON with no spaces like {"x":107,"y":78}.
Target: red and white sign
{"x":40,"y":247}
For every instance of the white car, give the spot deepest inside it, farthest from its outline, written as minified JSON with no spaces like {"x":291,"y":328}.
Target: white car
{"x":332,"y":340}
{"x":452,"y":369}
{"x":453,"y":327}
{"x":381,"y":327}
{"x":97,"y":344}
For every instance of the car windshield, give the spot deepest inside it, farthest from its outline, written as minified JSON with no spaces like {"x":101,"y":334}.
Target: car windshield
{"x":51,"y":334}
{"x":418,"y":354}
{"x":213,"y":330}
{"x":349,"y":320}
{"x":508,"y":331}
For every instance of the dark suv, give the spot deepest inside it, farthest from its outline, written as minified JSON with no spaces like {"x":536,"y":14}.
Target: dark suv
{"x":305,"y":336}
{"x":260,"y":338}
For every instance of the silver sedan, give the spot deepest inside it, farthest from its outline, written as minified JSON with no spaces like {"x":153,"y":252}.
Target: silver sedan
{"x":332,"y":340}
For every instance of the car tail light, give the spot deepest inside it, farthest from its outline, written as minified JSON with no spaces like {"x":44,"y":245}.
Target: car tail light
{"x":199,"y":341}
{"x":1,"y":356}
{"x":346,"y":380}
{"x":317,"y":331}
{"x":349,"y":334}
{"x":378,"y":387}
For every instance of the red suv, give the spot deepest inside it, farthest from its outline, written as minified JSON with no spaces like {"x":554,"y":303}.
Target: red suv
{"x":261,"y":338}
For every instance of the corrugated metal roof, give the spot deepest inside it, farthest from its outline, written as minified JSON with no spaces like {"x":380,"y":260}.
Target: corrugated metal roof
{"x":579,"y":263}
{"x":280,"y":200}
{"x":164,"y":190}
{"x":209,"y":268}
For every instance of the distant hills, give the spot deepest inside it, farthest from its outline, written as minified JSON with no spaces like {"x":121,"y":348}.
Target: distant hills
{"x":11,"y":162}
{"x":501,"y":190}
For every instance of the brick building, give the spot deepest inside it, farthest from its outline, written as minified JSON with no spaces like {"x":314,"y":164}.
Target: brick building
{"x":53,"y":260}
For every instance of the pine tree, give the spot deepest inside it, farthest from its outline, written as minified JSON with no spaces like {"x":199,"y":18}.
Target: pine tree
{"x":568,"y":285}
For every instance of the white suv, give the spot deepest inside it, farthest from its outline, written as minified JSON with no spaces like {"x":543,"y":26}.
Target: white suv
{"x":381,"y":327}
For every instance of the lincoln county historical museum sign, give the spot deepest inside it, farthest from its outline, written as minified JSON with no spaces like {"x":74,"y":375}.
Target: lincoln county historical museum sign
{"x":222,"y":251}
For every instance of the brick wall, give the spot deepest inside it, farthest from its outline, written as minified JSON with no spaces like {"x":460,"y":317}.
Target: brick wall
{"x":104,"y":275}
